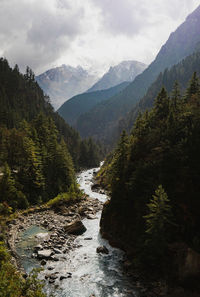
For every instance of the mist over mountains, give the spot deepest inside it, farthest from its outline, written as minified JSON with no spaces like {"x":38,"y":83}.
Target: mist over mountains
{"x":64,"y":82}
{"x":124,"y":71}
{"x":103,"y":121}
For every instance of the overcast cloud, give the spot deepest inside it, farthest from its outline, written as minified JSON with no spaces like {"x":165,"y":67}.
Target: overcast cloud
{"x":92,"y":33}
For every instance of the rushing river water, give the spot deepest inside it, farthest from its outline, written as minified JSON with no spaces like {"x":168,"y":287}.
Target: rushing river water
{"x":93,"y":274}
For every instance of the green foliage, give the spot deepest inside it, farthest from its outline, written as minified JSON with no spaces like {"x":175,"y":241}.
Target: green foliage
{"x":41,"y":151}
{"x":175,"y":80}
{"x":105,"y":121}
{"x":12,"y":283}
{"x":73,"y":195}
{"x":163,"y":148}
{"x":159,"y":214}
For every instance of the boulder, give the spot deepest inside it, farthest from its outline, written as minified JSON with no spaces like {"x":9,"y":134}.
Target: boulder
{"x":102,"y":250}
{"x":44,"y":254}
{"x":76,"y":227}
{"x":38,"y":247}
{"x":95,"y":187}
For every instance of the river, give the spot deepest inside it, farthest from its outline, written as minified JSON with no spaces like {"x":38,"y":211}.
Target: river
{"x":93,"y":274}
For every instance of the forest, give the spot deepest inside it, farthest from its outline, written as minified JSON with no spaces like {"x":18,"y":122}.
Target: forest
{"x":153,"y":179}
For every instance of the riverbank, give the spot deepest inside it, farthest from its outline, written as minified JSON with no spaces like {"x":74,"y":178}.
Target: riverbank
{"x":74,"y":265}
{"x":54,"y":221}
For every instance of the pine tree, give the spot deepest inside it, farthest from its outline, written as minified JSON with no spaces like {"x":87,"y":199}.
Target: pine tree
{"x":161,"y":105}
{"x":159,"y":218}
{"x":119,"y":164}
{"x":9,"y":193}
{"x":193,"y":88}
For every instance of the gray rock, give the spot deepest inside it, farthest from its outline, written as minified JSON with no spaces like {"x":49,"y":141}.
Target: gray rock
{"x":51,"y":281}
{"x":57,"y":251}
{"x":102,"y":250}
{"x":54,"y":259}
{"x":76,"y":227}
{"x":91,"y":216}
{"x":38,"y":247}
{"x":68,"y":275}
{"x":43,"y":262}
{"x":50,"y":267}
{"x":44,"y":254}
{"x":53,"y":276}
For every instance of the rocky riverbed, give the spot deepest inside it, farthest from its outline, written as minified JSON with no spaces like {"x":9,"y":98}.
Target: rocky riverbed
{"x":58,"y":229}
{"x":66,"y":242}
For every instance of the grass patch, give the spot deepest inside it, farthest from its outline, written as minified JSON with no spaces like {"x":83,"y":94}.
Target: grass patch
{"x":73,"y":195}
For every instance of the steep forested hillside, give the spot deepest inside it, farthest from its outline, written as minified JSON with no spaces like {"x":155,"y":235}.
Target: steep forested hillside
{"x":80,"y":104}
{"x":154,"y":179}
{"x":35,"y":143}
{"x":180,"y":72}
{"x":102,"y":121}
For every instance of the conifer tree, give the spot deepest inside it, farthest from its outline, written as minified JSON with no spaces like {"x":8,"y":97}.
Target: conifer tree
{"x":193,"y":88}
{"x":159,"y":214}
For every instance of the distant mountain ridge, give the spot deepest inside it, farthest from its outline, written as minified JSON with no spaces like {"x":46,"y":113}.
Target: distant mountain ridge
{"x":124,"y":71}
{"x":82,"y":103}
{"x":64,"y":82}
{"x":181,"y":43}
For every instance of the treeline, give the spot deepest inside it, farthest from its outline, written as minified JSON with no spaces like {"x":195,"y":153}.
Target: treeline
{"x":39,"y":152}
{"x":181,"y":72}
{"x":154,"y":179}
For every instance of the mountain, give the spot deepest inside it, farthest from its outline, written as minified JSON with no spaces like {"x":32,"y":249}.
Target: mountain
{"x":103,"y":120}
{"x":125,"y":71}
{"x":80,"y":104}
{"x":153,"y":177}
{"x":180,"y":72}
{"x":64,"y":82}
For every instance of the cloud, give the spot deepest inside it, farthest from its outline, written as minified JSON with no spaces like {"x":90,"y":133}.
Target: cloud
{"x":36,"y":33}
{"x":131,"y":17}
{"x":93,"y":33}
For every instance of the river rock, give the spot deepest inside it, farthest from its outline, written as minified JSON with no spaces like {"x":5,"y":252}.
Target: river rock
{"x":68,"y":275}
{"x":42,"y":236}
{"x":38,"y":247}
{"x":43,"y":262}
{"x":44,"y":254}
{"x":76,"y":227}
{"x":57,"y":251}
{"x":95,"y":187}
{"x":102,"y":250}
{"x":50,"y":267}
{"x":91,"y":216}
{"x":54,"y":259}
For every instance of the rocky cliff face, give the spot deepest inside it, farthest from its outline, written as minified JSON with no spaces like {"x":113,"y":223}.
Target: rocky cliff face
{"x":125,"y":71}
{"x":64,"y":82}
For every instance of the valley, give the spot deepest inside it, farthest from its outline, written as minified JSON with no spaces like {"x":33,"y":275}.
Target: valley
{"x":99,"y":152}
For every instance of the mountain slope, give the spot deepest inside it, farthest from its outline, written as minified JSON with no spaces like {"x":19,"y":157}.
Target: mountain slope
{"x":159,"y":158}
{"x":125,"y":71}
{"x":21,"y":99}
{"x":74,"y":107}
{"x":102,"y":120}
{"x":64,"y":82}
{"x":180,"y":72}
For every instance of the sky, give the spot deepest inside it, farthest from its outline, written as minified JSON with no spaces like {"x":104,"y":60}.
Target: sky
{"x":92,"y":33}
